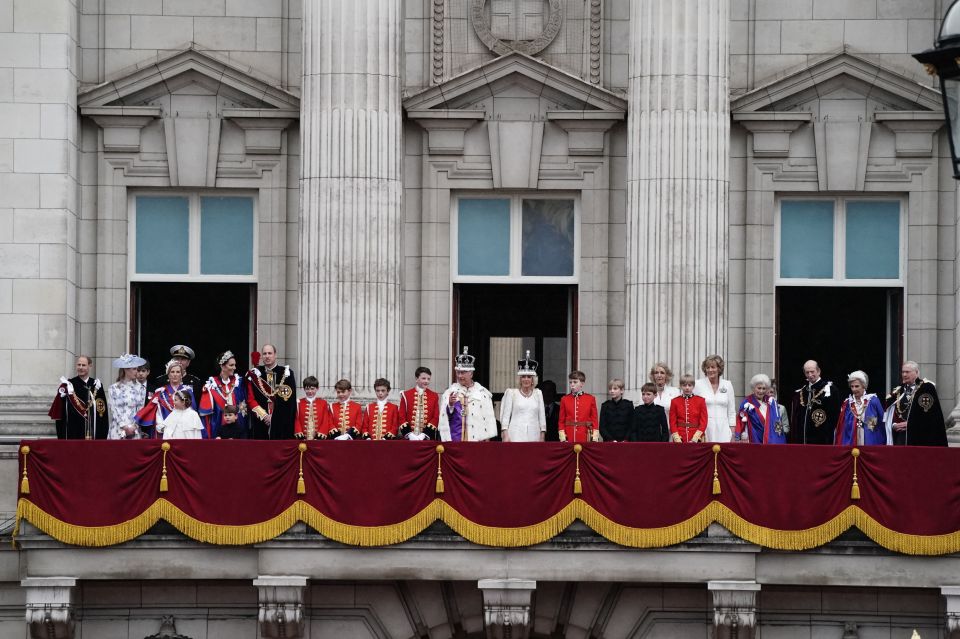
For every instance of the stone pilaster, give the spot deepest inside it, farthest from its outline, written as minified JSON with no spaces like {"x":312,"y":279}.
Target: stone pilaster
{"x":350,"y":192}
{"x":734,"y":609}
{"x":281,"y":606}
{"x":677,"y":185}
{"x":39,"y":208}
{"x":506,"y":607}
{"x":49,"y":606}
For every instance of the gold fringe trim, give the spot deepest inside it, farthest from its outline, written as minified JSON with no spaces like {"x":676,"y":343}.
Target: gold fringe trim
{"x":97,"y":536}
{"x":508,"y":537}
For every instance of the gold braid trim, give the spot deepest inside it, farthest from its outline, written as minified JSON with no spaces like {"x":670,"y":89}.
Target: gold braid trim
{"x":97,"y":536}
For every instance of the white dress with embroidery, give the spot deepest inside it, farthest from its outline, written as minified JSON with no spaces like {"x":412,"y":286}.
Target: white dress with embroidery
{"x":523,"y":417}
{"x":721,"y":409}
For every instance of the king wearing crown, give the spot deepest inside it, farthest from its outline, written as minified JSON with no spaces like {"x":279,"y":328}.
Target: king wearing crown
{"x":466,"y":408}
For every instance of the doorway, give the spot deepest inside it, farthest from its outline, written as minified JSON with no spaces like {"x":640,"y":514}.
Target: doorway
{"x":844,"y":329}
{"x":209,"y":318}
{"x":501,"y":321}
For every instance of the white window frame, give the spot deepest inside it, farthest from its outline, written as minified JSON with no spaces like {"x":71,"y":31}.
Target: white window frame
{"x":193,"y":273}
{"x":840,"y":242}
{"x":516,"y":239}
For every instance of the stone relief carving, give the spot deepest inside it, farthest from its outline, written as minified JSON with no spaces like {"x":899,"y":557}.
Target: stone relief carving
{"x":502,"y":45}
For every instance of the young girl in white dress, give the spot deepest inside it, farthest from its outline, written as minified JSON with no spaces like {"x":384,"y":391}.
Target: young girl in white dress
{"x":183,"y":422}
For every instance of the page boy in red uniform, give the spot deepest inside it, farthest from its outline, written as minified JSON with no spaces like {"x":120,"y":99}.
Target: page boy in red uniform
{"x":347,"y":415}
{"x":313,"y":413}
{"x":688,"y":414}
{"x":419,"y":408}
{"x":381,"y":419}
{"x":578,"y":412}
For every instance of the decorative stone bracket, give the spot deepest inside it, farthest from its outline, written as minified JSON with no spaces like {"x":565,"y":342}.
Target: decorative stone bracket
{"x":445,"y":128}
{"x":952,"y":595}
{"x":585,"y":129}
{"x":281,"y":606}
{"x":914,"y":131}
{"x":771,"y":130}
{"x":262,"y":128}
{"x":734,"y":609}
{"x":506,"y":607}
{"x":121,"y":125}
{"x":49,"y":606}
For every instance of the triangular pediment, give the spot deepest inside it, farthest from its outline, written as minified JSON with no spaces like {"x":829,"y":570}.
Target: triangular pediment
{"x":189,"y":72}
{"x":516,"y":76}
{"x":843,"y":75}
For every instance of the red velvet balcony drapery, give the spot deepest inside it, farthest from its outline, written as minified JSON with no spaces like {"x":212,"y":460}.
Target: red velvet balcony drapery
{"x":377,"y":493}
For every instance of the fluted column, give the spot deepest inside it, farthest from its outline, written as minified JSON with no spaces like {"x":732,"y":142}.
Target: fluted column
{"x":679,"y":129}
{"x":350,"y":190}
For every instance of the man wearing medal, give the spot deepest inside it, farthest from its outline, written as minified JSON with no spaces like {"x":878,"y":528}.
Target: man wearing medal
{"x":80,"y":406}
{"x":815,"y":408}
{"x":913,"y":414}
{"x":270,"y":396}
{"x":466,"y":408}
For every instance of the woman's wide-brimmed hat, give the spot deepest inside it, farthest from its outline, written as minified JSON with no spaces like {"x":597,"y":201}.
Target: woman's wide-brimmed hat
{"x":129,"y":360}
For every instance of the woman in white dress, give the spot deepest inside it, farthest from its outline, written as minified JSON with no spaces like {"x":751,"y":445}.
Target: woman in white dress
{"x":721,"y":402}
{"x":126,"y":396}
{"x":522,"y":415}
{"x":660,"y":375}
{"x":183,"y":422}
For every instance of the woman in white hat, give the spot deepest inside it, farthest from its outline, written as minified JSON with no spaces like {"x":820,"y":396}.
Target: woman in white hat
{"x":522,"y":415}
{"x":125,"y":397}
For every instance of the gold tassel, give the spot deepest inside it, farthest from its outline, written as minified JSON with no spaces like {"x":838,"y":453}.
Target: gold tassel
{"x":301,"y":485}
{"x":855,"y":490}
{"x":716,"y":475}
{"x":165,"y":446}
{"x":439,"y":489}
{"x":577,"y":484}
{"x":24,"y":482}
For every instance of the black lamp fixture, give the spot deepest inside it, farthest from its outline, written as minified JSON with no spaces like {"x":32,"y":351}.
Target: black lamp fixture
{"x":944,"y":60}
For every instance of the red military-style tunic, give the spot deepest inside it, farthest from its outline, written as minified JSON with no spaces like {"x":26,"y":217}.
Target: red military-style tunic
{"x":419,"y":412}
{"x":313,"y":419}
{"x":380,"y":424}
{"x":578,"y":417}
{"x":688,"y":418}
{"x":346,"y":418}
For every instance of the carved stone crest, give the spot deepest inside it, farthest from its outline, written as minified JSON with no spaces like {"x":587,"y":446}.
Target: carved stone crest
{"x":503,"y":43}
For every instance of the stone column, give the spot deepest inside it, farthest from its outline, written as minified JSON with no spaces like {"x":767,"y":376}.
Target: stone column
{"x":350,"y":192}
{"x":952,"y":596}
{"x":677,"y":185}
{"x":734,"y":609}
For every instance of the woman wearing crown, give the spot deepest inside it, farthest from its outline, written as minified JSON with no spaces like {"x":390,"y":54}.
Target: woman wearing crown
{"x":161,"y":402}
{"x":522,"y":414}
{"x":861,"y":415}
{"x":225,"y":389}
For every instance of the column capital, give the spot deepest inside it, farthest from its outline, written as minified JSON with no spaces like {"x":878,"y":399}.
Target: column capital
{"x":506,"y":607}
{"x":49,"y":606}
{"x":734,"y":609}
{"x":281,"y":605}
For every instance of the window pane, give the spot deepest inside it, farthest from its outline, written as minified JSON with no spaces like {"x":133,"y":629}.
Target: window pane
{"x":873,"y":240}
{"x":806,"y":239}
{"x":547,"y":237}
{"x":163,"y":232}
{"x":226,"y":236}
{"x":483,"y":237}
